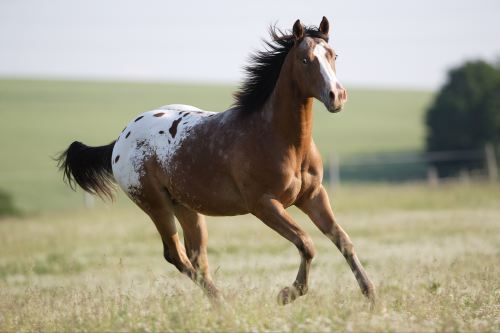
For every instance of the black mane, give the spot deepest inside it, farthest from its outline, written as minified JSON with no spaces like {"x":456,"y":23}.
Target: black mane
{"x":264,"y":69}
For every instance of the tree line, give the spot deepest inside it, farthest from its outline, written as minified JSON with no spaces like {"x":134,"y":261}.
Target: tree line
{"x":465,"y":114}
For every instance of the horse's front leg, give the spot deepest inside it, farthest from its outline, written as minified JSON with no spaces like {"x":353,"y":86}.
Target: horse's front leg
{"x":317,"y":207}
{"x":274,"y":215}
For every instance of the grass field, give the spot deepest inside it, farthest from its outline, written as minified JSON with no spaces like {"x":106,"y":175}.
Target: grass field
{"x":41,"y":118}
{"x":433,"y":255}
{"x":432,"y":252}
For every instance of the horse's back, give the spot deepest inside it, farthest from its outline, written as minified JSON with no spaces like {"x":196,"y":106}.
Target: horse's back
{"x":155,"y":134}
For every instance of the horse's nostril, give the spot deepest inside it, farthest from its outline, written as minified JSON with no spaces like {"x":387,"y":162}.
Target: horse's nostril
{"x":332,"y":95}
{"x":343,"y":94}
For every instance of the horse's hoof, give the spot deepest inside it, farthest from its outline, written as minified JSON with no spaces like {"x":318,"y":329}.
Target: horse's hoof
{"x":287,"y":295}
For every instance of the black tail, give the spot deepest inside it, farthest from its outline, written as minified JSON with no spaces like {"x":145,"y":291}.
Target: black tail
{"x":89,"y":167}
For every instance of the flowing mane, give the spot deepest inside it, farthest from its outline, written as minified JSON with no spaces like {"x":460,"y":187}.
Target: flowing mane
{"x":264,"y":69}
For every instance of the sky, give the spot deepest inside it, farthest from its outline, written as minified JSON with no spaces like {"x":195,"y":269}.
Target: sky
{"x":383,"y":43}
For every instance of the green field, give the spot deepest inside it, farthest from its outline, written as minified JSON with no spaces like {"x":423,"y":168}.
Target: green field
{"x":432,"y":253}
{"x":41,"y":118}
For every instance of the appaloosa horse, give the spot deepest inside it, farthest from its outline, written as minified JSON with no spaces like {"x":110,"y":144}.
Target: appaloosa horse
{"x":257,"y":157}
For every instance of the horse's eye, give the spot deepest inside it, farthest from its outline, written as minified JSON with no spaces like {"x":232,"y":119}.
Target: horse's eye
{"x":305,"y":61}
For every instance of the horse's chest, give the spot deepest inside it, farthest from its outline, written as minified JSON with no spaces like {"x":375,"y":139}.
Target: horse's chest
{"x":300,"y":183}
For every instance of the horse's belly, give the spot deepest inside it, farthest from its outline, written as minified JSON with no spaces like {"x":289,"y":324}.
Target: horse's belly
{"x":204,"y":187}
{"x":211,"y":205}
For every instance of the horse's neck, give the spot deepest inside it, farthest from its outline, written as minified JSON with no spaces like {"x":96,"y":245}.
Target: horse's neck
{"x":289,"y":116}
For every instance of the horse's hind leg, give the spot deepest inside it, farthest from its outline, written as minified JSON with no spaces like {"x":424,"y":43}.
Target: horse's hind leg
{"x":157,"y":204}
{"x":195,"y":241}
{"x":317,"y":207}
{"x":273,"y":214}
{"x":173,"y":250}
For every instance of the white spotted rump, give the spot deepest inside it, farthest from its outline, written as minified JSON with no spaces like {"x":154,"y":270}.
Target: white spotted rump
{"x":153,"y":134}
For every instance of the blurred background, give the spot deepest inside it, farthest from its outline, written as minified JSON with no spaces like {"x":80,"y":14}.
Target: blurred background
{"x":411,"y":165}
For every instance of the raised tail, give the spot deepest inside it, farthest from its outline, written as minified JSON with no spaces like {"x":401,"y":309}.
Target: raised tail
{"x":89,"y":167}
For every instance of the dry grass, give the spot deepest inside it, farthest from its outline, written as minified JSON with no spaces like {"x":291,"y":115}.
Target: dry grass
{"x":102,"y":270}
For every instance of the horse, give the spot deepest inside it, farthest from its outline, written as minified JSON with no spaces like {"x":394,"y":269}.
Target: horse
{"x":258,"y":157}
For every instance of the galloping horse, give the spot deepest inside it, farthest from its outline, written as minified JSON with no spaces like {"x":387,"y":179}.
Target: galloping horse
{"x":258,"y":157}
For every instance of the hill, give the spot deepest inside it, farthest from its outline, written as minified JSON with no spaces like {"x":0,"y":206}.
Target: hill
{"x":40,"y":119}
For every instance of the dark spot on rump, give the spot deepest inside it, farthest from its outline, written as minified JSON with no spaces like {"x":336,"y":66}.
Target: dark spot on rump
{"x":140,"y":143}
{"x":185,"y":115}
{"x":117,"y":158}
{"x":128,"y":134}
{"x":159,"y":114}
{"x":139,"y":118}
{"x":184,"y":123}
{"x":173,"y":128}
{"x":168,"y":141}
{"x":161,"y":132}
{"x":124,"y":129}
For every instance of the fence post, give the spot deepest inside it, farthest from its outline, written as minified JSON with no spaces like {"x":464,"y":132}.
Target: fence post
{"x":432,"y":176}
{"x":491,"y":162}
{"x":334,"y":171}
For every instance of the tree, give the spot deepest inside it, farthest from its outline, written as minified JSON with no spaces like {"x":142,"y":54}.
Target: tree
{"x":465,"y":113}
{"x":7,"y":207}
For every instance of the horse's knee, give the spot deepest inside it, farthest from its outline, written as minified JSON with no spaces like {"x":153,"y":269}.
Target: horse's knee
{"x":343,"y":242}
{"x":306,"y":247}
{"x":347,"y":247}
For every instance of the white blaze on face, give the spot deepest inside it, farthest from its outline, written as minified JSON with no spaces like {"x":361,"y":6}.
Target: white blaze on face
{"x":329,"y":77}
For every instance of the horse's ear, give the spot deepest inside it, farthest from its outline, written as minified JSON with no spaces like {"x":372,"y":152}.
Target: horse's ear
{"x":324,"y":26}
{"x":298,"y":30}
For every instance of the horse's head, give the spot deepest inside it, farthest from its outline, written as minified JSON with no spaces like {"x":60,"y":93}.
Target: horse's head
{"x":313,"y":63}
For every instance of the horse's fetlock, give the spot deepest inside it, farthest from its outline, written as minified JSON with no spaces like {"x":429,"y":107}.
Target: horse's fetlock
{"x":302,"y":289}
